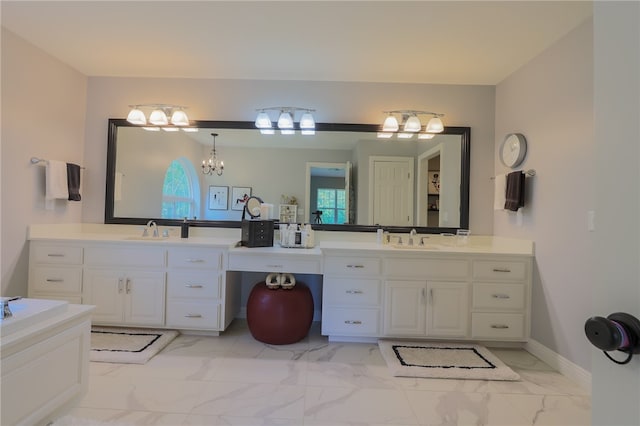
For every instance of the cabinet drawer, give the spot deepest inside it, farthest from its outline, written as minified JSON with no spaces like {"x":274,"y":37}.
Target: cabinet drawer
{"x":497,"y":326}
{"x":193,"y":315}
{"x":352,"y":266}
{"x":55,"y":280}
{"x":497,"y":270}
{"x":427,"y":268}
{"x":498,"y":296}
{"x":350,"y":322}
{"x":266,"y":263}
{"x":352,"y":291}
{"x":194,"y":258}
{"x":124,"y":256}
{"x":193,"y":284}
{"x":56,"y":254}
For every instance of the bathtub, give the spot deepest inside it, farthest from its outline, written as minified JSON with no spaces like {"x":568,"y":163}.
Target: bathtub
{"x":44,"y":348}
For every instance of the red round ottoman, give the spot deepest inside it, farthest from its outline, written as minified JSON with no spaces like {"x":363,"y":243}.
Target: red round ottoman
{"x":279,"y":316}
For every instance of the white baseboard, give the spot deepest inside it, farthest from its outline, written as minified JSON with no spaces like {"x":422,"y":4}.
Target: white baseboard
{"x":559,"y":363}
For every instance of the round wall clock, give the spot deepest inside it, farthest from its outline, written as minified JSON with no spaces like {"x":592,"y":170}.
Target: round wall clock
{"x":513,"y":150}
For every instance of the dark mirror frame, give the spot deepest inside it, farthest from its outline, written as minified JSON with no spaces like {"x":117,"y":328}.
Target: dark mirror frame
{"x":112,"y":145}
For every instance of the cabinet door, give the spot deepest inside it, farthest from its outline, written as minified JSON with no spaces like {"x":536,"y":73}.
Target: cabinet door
{"x":404,"y":305}
{"x":448,"y":309}
{"x":105,"y":289}
{"x":145,"y":298}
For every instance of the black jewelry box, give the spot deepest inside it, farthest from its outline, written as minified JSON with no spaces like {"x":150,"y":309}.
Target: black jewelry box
{"x":257,"y":233}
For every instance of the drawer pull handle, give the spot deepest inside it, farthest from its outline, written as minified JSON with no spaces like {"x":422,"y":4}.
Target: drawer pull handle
{"x":355,"y":266}
{"x":274,"y":266}
{"x":193,"y":316}
{"x":501,"y":270}
{"x":120,"y":285}
{"x":55,"y":280}
{"x":501,"y":296}
{"x":499,"y":326}
{"x":193,"y":286}
{"x":195,"y":260}
{"x":356,"y":322}
{"x":354,"y":291}
{"x":55,"y":255}
{"x":128,"y":286}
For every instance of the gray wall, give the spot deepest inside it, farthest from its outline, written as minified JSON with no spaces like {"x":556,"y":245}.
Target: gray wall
{"x":550,"y":101}
{"x":43,"y":114}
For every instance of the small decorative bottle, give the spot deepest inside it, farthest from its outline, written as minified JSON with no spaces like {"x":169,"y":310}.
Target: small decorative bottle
{"x":184,"y":229}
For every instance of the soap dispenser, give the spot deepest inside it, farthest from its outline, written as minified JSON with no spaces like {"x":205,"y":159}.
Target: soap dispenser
{"x":184,"y":229}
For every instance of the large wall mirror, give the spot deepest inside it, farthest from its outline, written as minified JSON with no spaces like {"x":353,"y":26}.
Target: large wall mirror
{"x":343,"y":178}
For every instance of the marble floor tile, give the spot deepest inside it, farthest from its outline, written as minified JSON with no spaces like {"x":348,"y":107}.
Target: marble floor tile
{"x":258,"y":370}
{"x":333,"y":404}
{"x":233,"y":379}
{"x":349,"y":375}
{"x":251,"y":400}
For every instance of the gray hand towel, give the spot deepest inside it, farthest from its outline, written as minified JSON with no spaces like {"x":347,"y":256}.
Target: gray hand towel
{"x":514,"y":191}
{"x":73,"y":181}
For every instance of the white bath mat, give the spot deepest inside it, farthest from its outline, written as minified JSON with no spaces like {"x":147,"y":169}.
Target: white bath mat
{"x":443,"y":360}
{"x":127,"y":345}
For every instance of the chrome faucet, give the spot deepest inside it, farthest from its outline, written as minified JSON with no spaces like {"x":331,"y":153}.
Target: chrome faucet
{"x":151,"y":224}
{"x":412,"y":234}
{"x":5,"y":310}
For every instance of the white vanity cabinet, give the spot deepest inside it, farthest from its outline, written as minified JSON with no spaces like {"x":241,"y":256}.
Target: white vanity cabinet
{"x":426,"y":309}
{"x":426,"y":296}
{"x":431,"y":294}
{"x":351,"y":295}
{"x":55,"y":271}
{"x":126,"y":284}
{"x":198,"y":297}
{"x":501,"y":298}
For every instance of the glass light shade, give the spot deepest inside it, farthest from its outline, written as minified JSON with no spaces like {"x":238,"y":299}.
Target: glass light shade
{"x":412,"y":124}
{"x":179,"y":118}
{"x":307,"y":122}
{"x":384,"y":135}
{"x":263,"y":121}
{"x":435,"y":125}
{"x":136,"y":116}
{"x":390,"y":124}
{"x":285,"y":121}
{"x":426,"y":136}
{"x":158,"y":117}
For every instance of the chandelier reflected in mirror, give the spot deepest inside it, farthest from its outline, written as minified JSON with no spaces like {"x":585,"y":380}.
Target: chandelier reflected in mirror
{"x":213,"y":164}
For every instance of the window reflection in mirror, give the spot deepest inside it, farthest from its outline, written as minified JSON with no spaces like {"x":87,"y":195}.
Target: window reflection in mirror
{"x":141,"y":182}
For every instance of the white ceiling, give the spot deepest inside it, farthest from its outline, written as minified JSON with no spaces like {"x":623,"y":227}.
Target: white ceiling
{"x":443,"y":42}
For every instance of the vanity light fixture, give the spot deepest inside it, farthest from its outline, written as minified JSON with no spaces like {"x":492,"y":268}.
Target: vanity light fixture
{"x":410,"y":124}
{"x":163,"y":115}
{"x":286,"y":120}
{"x":213,"y":164}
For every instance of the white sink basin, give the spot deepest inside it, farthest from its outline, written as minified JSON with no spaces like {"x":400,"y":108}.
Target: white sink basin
{"x":417,"y":246}
{"x":139,"y":238}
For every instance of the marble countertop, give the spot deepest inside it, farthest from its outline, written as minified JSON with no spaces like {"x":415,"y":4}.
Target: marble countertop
{"x":230,"y":237}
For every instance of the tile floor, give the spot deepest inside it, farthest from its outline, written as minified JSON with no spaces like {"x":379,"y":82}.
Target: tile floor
{"x":235,"y":380}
